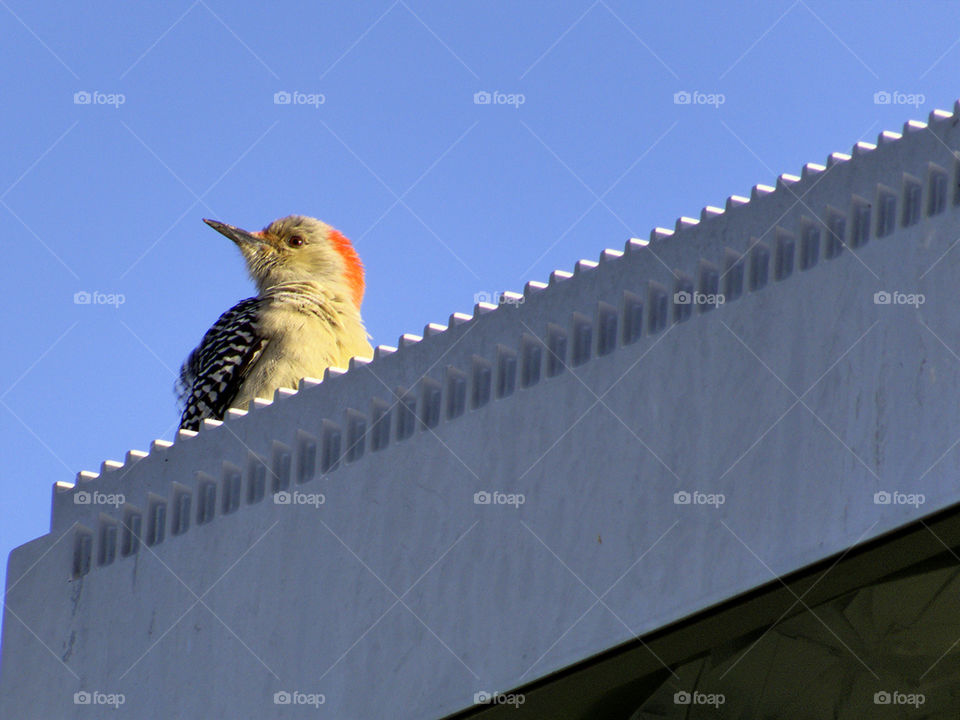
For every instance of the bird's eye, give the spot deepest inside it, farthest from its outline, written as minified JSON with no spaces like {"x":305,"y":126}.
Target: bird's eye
{"x":295,"y":241}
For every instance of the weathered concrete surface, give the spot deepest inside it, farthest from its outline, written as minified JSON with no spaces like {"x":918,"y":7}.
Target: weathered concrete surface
{"x":400,"y":597}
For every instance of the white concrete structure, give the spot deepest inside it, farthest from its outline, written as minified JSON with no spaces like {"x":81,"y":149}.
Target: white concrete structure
{"x":571,"y":477}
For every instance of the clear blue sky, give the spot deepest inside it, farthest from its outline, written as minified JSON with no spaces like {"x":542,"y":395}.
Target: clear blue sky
{"x":443,"y":197}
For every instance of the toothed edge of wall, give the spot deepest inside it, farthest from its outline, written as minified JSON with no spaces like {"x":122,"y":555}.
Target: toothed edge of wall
{"x":432,"y":401}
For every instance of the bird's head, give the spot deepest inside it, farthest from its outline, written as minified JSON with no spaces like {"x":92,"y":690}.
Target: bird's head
{"x":297,"y":249}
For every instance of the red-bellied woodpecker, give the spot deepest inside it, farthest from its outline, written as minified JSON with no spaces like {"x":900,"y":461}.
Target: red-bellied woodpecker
{"x":304,"y":319}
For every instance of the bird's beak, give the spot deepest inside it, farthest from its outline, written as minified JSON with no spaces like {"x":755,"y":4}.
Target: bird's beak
{"x":240,"y":237}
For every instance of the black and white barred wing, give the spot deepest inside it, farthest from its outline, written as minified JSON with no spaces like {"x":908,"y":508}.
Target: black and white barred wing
{"x":214,"y":372}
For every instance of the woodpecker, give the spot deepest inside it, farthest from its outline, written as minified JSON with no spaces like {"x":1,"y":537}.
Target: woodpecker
{"x":304,"y":319}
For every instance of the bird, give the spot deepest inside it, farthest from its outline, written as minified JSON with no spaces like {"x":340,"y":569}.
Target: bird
{"x":304,"y":318}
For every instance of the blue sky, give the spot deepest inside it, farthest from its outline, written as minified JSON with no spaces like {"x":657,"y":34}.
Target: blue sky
{"x":582,"y":147}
